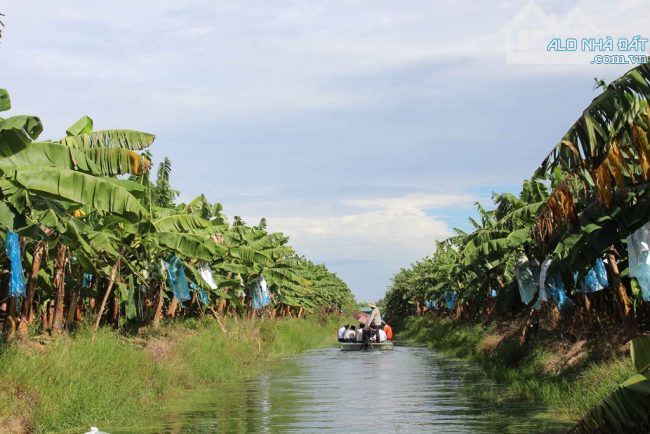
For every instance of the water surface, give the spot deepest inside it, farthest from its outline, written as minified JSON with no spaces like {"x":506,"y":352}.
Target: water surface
{"x":402,"y":391}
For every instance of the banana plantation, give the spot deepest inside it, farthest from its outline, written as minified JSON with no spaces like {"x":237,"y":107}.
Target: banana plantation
{"x":91,"y":238}
{"x":571,"y":245}
{"x":568,"y":255}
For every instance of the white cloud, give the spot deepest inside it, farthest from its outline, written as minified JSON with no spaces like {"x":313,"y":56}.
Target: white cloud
{"x":393,"y":230}
{"x":413,"y":203}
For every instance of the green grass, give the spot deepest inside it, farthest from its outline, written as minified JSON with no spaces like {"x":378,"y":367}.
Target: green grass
{"x":75,"y":383}
{"x":594,"y":383}
{"x":71,"y":383}
{"x":568,"y":393}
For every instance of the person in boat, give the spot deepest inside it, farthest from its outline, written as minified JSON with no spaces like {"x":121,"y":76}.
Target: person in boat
{"x":341,"y":332}
{"x":360,"y":332}
{"x":375,"y":317}
{"x":351,"y":334}
{"x":389,"y":331}
{"x":380,"y":335}
{"x":365,"y":337}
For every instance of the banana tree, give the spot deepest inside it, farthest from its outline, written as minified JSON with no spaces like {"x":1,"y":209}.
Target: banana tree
{"x":40,"y":179}
{"x":605,"y":161}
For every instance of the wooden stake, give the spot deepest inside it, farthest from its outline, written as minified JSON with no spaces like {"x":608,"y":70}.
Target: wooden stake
{"x":221,"y":326}
{"x":105,"y":299}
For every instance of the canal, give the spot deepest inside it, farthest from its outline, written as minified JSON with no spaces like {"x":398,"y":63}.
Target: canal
{"x":402,"y":391}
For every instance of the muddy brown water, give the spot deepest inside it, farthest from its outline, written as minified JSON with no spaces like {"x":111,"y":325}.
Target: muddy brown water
{"x":402,"y":391}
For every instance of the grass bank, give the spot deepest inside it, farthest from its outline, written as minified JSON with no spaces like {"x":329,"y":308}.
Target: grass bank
{"x":567,"y":377}
{"x":71,"y":383}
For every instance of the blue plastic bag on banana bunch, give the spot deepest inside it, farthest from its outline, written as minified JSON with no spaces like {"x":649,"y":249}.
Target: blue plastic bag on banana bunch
{"x":259,"y":293}
{"x":203,"y":297}
{"x":553,"y":286}
{"x":17,"y":276}
{"x":177,"y":279}
{"x":86,"y":280}
{"x":200,"y":293}
{"x":595,"y":279}
{"x":450,"y":299}
{"x":638,"y":251}
{"x":528,"y":282}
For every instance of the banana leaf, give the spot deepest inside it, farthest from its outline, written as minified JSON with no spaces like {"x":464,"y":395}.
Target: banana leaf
{"x":80,"y":188}
{"x":187,"y":245}
{"x":237,"y":268}
{"x":589,"y":139}
{"x":184,"y":223}
{"x":199,"y":206}
{"x":19,"y":131}
{"x":82,"y":126}
{"x":135,"y":188}
{"x":127,"y":298}
{"x":31,"y":125}
{"x":5,"y":101}
{"x":46,"y":154}
{"x":115,"y":161}
{"x":7,"y":217}
{"x":127,"y":139}
{"x":640,"y":353}
{"x":248,"y":254}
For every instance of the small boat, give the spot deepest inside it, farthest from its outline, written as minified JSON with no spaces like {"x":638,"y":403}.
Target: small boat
{"x":356,"y":346}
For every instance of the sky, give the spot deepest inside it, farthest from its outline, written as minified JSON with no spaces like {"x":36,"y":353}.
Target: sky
{"x":364,"y":130}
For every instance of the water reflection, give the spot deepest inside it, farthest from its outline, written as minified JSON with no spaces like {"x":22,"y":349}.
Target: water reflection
{"x":406,"y":390}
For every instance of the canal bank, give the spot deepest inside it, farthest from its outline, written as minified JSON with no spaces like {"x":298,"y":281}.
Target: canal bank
{"x":567,"y":376}
{"x":72,"y":383}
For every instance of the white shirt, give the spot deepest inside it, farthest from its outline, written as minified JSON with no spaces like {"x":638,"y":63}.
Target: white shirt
{"x":341,"y":333}
{"x":351,"y":334}
{"x":382,"y":336}
{"x":359,"y":335}
{"x":375,"y":317}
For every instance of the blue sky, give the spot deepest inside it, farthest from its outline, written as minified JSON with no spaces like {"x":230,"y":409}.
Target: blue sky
{"x":365,"y":130}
